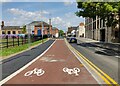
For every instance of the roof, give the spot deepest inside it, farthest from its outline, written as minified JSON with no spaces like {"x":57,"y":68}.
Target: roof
{"x":10,"y":27}
{"x":81,"y":24}
{"x":54,"y":28}
{"x":38,"y":23}
{"x":71,"y":29}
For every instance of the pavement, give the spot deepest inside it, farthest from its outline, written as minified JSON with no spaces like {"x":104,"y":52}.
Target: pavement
{"x":57,"y":65}
{"x":111,"y":46}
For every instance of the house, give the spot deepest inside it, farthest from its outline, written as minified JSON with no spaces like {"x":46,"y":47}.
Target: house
{"x":71,"y":31}
{"x":55,"y":32}
{"x":38,"y":28}
{"x":42,"y":28}
{"x":10,"y":29}
{"x":80,"y":30}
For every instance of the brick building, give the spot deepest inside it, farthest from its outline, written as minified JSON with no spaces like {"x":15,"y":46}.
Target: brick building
{"x":35,"y":28}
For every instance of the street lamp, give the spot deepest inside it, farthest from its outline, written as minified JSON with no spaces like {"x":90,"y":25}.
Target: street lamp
{"x":42,"y":31}
{"x":29,"y":30}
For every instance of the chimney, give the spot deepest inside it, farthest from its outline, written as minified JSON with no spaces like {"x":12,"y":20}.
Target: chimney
{"x":2,"y":24}
{"x":50,"y":28}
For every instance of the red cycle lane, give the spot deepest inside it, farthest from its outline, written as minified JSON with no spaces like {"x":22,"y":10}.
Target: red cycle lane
{"x":50,"y":66}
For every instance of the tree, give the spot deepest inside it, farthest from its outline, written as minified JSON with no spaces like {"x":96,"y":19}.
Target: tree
{"x":24,"y":29}
{"x":104,"y":10}
{"x":61,"y":32}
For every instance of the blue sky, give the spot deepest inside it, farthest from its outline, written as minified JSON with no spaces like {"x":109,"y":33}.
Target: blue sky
{"x":61,"y":13}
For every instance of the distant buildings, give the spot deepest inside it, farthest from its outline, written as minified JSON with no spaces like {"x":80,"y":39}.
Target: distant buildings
{"x":71,"y":31}
{"x":35,"y":27}
{"x":10,"y":29}
{"x":42,"y":28}
{"x":80,"y":30}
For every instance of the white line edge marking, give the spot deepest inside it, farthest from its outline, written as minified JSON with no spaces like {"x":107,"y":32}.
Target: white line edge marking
{"x":24,"y":67}
{"x":84,"y":65}
{"x":88,"y":69}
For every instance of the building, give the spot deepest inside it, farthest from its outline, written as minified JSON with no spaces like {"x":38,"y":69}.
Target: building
{"x":55,"y":32}
{"x":80,"y":30}
{"x":10,"y":29}
{"x":71,"y":31}
{"x":42,"y":28}
{"x":39,"y":27}
{"x":96,"y":28}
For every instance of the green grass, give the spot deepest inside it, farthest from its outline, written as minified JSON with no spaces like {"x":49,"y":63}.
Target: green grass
{"x":12,"y":50}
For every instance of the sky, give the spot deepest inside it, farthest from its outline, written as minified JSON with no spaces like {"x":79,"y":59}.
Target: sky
{"x":62,"y":14}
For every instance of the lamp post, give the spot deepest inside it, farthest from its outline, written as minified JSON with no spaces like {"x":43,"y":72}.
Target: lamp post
{"x":42,"y":31}
{"x":28,"y":27}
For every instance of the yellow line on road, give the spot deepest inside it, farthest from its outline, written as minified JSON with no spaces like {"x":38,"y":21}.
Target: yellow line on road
{"x":98,"y":71}
{"x":108,"y":77}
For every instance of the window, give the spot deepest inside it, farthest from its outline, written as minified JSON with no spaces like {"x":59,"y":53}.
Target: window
{"x":9,"y":32}
{"x":14,"y":32}
{"x":3,"y":32}
{"x":19,"y":32}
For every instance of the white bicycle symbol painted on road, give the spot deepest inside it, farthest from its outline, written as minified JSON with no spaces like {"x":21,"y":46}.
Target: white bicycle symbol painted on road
{"x":36,"y":71}
{"x":72,"y":71}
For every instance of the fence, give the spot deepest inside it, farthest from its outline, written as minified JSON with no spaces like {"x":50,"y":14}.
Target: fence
{"x":16,"y":41}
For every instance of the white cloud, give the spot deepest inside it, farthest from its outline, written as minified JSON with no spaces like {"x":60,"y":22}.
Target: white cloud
{"x":57,"y":20}
{"x":5,"y":0}
{"x":22,"y":17}
{"x":68,"y":2}
{"x":37,"y":0}
{"x":22,"y":12}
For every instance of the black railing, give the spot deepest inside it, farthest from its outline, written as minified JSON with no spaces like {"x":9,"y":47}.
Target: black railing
{"x":17,"y":41}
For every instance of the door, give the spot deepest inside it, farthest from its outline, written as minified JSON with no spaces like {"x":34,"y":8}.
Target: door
{"x":102,"y":35}
{"x":39,"y":32}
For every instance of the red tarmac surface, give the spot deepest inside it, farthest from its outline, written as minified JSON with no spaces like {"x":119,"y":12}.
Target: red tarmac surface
{"x":53,"y":62}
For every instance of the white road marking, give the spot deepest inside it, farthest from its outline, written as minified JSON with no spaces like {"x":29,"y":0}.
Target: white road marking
{"x":72,"y":71}
{"x":50,"y":59}
{"x":24,"y":67}
{"x":35,"y":71}
{"x":91,"y":72}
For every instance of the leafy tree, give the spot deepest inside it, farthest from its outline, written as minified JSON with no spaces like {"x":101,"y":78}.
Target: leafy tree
{"x":105,"y":10}
{"x":61,"y":32}
{"x":24,"y":29}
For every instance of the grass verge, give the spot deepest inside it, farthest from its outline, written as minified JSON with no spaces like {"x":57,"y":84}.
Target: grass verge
{"x":12,"y":50}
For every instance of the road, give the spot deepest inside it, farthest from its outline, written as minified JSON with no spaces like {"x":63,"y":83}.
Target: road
{"x":106,"y":60}
{"x":57,"y":65}
{"x":14,"y":63}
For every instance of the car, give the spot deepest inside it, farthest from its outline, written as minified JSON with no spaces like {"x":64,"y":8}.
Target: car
{"x":72,"y":40}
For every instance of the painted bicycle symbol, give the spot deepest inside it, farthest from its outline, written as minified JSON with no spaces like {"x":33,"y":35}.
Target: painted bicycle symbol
{"x":36,"y":71}
{"x":72,"y":71}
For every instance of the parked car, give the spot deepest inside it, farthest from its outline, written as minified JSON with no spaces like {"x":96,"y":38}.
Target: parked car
{"x":72,"y":40}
